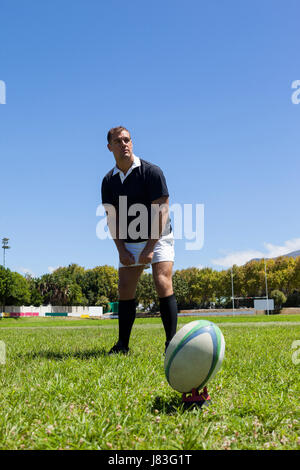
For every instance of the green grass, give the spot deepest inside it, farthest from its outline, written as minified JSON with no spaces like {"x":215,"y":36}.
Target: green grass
{"x":69,"y":321}
{"x":60,"y":390}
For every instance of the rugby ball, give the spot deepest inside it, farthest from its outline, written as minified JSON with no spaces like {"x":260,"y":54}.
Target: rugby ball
{"x":194,"y":355}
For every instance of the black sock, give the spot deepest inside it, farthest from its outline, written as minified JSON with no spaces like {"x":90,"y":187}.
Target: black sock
{"x":126,"y":313}
{"x":168,"y":311}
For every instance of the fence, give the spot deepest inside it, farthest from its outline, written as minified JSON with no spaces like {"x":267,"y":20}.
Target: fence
{"x":52,"y":311}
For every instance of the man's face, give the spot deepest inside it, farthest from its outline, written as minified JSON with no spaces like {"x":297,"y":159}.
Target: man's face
{"x":121,"y":147}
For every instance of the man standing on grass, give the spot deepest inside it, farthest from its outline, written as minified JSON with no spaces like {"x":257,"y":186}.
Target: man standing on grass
{"x":137,"y":186}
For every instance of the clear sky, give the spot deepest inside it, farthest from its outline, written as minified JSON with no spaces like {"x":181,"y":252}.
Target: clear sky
{"x":205,"y":89}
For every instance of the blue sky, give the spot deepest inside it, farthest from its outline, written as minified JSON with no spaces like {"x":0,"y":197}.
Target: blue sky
{"x":205,"y":89}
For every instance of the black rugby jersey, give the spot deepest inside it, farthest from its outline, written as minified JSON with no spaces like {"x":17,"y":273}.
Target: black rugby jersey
{"x":144,"y":184}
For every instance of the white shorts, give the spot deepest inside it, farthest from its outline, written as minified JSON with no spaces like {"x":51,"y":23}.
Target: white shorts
{"x":163,"y":251}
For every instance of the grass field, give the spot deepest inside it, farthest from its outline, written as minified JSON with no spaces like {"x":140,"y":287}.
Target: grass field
{"x":60,"y":390}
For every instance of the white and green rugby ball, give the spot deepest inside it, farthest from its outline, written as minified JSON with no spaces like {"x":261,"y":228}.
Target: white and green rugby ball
{"x":194,"y":355}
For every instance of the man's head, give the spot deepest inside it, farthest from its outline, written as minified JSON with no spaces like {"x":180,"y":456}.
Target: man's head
{"x":120,"y":144}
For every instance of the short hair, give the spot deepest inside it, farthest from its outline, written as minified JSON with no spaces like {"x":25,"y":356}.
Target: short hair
{"x":115,"y":130}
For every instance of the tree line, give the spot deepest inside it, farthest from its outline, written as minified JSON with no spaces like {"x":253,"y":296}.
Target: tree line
{"x":193,"y":287}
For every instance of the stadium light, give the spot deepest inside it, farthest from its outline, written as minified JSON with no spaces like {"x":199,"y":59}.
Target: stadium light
{"x":5,"y":247}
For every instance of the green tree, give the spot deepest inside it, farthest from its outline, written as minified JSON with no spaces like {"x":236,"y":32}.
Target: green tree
{"x":281,"y":274}
{"x":14,"y":288}
{"x":279,"y":298}
{"x":72,"y":272}
{"x":57,"y":289}
{"x":204,"y":286}
{"x":4,"y":285}
{"x":181,"y":290}
{"x":103,"y":302}
{"x":100,"y":281}
{"x":189,"y":278}
{"x":146,"y":293}
{"x":36,"y":297}
{"x":223,"y":288}
{"x":253,"y":278}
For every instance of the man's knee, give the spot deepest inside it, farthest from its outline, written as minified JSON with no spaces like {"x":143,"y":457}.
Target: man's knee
{"x":126,"y":289}
{"x":163,"y":281}
{"x":128,"y":279}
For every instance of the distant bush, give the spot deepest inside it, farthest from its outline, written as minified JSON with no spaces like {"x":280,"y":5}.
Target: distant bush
{"x":278,"y":297}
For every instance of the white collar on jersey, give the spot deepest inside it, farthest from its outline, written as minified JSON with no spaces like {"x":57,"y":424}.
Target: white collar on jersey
{"x":135,"y":164}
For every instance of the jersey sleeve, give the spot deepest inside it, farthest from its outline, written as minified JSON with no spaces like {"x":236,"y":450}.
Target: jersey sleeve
{"x":156,"y":184}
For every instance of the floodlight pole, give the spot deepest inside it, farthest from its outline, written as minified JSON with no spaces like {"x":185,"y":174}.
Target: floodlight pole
{"x":5,"y":247}
{"x":232,"y":291}
{"x":266,"y":287}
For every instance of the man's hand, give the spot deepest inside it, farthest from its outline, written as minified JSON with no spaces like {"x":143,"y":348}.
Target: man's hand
{"x":146,"y":256}
{"x":126,"y":257}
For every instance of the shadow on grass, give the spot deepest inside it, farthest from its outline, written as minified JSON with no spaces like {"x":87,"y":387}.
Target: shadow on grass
{"x":166,"y":405}
{"x":172,"y":405}
{"x":60,"y":356}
